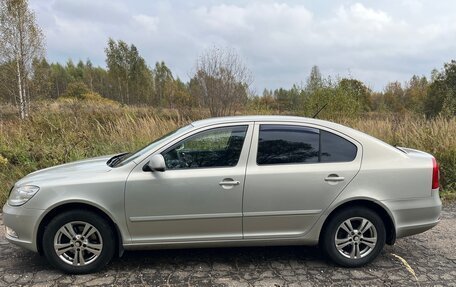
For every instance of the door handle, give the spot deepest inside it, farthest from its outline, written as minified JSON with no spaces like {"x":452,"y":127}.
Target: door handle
{"x":229,"y":182}
{"x":334,"y":178}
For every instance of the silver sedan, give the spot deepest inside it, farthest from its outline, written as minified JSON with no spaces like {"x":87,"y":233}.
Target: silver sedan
{"x":235,"y":181}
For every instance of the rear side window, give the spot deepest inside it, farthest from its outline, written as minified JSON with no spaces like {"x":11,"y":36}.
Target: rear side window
{"x":336,"y":149}
{"x":280,"y":144}
{"x":288,"y":144}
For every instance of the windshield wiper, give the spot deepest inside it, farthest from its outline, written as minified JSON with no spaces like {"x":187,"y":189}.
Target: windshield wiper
{"x":116,"y":159}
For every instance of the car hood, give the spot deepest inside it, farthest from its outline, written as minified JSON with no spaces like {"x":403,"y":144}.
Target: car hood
{"x":91,"y":166}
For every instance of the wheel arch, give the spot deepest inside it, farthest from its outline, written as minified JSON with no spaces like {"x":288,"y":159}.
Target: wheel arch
{"x":72,"y":206}
{"x":372,"y":205}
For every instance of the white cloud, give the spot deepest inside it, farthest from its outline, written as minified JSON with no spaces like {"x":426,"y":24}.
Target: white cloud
{"x":146,"y":22}
{"x":223,"y":17}
{"x":362,"y":14}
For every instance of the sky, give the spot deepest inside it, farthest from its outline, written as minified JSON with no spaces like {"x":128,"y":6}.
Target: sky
{"x":279,"y":41}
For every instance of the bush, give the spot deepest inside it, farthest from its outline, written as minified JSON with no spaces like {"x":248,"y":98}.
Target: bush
{"x":76,"y":90}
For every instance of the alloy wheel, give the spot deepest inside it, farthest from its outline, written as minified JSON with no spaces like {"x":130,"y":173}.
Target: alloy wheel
{"x":356,"y":237}
{"x":78,"y":243}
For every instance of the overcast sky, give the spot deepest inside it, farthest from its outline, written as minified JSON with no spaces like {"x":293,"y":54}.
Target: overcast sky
{"x":374,"y":41}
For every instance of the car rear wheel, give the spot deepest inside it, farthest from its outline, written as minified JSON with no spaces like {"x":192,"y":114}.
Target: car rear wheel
{"x":353,"y":237}
{"x":78,"y":242}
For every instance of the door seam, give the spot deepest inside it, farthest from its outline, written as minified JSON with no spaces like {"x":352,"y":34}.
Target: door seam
{"x":245,"y":177}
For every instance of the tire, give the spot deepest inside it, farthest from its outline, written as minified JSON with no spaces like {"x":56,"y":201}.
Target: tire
{"x":357,"y":247}
{"x":90,"y":248}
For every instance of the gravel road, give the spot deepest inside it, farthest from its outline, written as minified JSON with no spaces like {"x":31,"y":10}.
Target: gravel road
{"x":427,"y":259}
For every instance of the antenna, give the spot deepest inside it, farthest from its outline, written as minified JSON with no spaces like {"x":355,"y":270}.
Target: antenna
{"x":320,"y":110}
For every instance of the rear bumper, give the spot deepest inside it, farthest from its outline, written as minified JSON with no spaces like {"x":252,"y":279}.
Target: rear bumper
{"x":24,"y":222}
{"x":415,"y":215}
{"x":415,"y":229}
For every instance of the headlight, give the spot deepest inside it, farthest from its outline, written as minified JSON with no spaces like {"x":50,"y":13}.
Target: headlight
{"x":21,"y":194}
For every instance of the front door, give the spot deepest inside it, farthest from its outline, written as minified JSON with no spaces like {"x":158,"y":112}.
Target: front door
{"x":199,"y":196}
{"x":294,"y":172}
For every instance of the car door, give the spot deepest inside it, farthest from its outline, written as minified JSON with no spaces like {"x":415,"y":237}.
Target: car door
{"x":294,"y":172}
{"x":199,"y":195}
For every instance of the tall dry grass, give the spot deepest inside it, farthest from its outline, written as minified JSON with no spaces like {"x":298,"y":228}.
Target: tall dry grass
{"x":62,"y":132}
{"x":59,"y":133}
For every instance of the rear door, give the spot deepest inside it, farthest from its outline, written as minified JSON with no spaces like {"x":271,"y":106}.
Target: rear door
{"x":294,"y":172}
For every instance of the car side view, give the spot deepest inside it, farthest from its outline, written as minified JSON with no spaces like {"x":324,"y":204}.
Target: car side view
{"x":234,"y":181}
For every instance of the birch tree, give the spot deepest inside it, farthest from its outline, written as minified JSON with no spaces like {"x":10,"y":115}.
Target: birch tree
{"x":21,"y":41}
{"x":129,"y":69}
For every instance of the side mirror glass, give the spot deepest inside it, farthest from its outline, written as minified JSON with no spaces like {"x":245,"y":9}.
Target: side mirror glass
{"x":156,"y":163}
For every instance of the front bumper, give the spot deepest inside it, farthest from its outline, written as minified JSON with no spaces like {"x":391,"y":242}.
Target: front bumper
{"x":24,"y":222}
{"x":415,"y":215}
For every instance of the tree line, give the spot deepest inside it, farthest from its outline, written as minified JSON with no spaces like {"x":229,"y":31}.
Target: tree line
{"x":348,"y":96}
{"x":221,"y":82}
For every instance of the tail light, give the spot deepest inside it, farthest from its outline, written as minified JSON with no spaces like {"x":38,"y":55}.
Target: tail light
{"x":435,"y":174}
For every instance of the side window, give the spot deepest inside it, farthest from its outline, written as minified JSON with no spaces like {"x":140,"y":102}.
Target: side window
{"x":219,"y":147}
{"x":282,"y":144}
{"x":336,"y":149}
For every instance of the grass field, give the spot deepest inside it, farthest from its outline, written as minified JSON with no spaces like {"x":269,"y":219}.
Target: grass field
{"x":61,"y":132}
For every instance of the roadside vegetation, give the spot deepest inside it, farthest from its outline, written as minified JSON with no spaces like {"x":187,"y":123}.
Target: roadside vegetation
{"x":59,"y":132}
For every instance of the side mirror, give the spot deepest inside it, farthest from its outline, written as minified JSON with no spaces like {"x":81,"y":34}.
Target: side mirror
{"x":156,"y":163}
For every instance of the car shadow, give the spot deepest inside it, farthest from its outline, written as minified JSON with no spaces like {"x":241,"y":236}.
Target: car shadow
{"x":234,"y":257}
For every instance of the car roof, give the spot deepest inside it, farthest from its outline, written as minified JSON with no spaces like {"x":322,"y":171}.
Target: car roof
{"x":259,"y":118}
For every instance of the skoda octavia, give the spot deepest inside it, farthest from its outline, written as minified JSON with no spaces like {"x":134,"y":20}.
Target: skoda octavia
{"x":235,"y":181}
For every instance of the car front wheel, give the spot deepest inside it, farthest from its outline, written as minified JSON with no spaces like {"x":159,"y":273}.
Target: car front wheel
{"x":353,"y":237}
{"x":78,"y":242}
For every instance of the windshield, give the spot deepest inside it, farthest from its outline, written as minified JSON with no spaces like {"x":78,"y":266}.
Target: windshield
{"x":152,"y":145}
